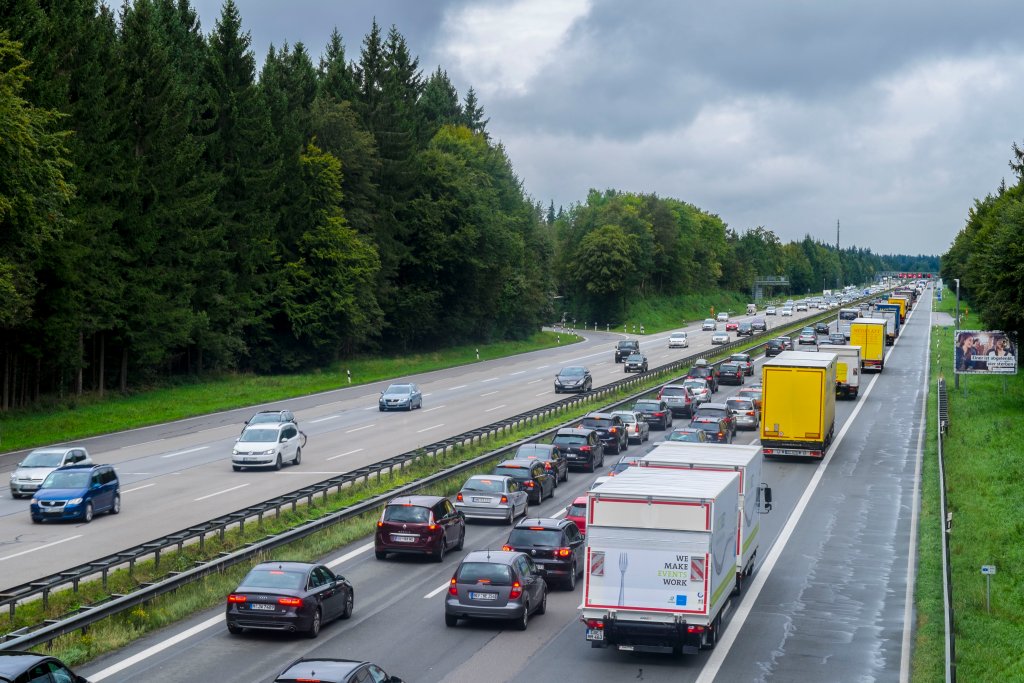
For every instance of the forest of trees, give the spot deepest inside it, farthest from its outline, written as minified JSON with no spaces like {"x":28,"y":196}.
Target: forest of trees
{"x":168,"y":209}
{"x":987,"y":255}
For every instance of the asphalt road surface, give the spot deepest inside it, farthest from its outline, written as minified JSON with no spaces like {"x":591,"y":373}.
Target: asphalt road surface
{"x":829,"y":600}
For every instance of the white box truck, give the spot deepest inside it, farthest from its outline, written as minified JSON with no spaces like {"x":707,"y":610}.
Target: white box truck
{"x":661,"y":560}
{"x":755,"y":495}
{"x":847,"y":369}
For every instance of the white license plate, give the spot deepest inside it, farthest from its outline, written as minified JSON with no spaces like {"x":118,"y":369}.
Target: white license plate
{"x":259,"y":606}
{"x":483,"y":596}
{"x":595,"y":634}
{"x":478,"y":499}
{"x":403,"y":539}
{"x":250,"y":459}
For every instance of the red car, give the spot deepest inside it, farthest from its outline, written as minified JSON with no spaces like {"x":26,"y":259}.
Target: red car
{"x":419,"y":525}
{"x":731,"y":326}
{"x":577,"y":512}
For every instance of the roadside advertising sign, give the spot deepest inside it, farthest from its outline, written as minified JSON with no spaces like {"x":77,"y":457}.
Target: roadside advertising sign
{"x":984,"y":352}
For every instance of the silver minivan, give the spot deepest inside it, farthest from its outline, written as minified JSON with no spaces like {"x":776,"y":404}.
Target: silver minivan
{"x":30,"y":473}
{"x":267,"y":445}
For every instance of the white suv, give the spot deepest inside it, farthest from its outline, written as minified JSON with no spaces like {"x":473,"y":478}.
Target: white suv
{"x":268,"y":445}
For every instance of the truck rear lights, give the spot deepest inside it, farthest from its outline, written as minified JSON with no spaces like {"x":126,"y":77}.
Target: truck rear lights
{"x":695,"y":629}
{"x":595,"y":623}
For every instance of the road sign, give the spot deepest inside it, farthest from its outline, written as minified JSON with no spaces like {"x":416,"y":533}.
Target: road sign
{"x":988,"y":569}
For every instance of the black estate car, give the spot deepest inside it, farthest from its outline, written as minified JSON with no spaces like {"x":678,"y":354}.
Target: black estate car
{"x":554,"y":544}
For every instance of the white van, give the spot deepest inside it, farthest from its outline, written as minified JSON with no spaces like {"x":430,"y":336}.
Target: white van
{"x":751,"y":309}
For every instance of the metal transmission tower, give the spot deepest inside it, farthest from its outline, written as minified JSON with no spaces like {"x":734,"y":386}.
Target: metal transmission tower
{"x":838,"y":256}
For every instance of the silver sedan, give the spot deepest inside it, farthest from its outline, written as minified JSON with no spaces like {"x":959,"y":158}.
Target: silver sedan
{"x":492,"y":496}
{"x":720,"y":338}
{"x":637,"y":428}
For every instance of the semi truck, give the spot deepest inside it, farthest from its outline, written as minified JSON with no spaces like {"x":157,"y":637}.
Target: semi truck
{"x":755,"y":495}
{"x":798,"y":404}
{"x":847,"y":369}
{"x":891,"y":314}
{"x":660,"y":559}
{"x":902,"y":302}
{"x":869,"y":335}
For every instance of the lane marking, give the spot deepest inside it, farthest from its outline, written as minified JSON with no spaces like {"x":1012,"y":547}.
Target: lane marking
{"x":537,"y":380}
{"x":42,"y":547}
{"x":329,"y":417}
{"x":742,"y":613}
{"x":188,"y":450}
{"x":430,"y":394}
{"x":233,"y":488}
{"x":489,"y":379}
{"x":437,"y":590}
{"x":461,"y":386}
{"x":137,"y":488}
{"x":427,"y":429}
{"x":542,"y":367}
{"x":513,"y":374}
{"x":349,"y":431}
{"x":490,"y":393}
{"x":494,"y":408}
{"x":342,"y":455}
{"x":434,"y":408}
{"x":371,"y":408}
{"x":349,"y":555}
{"x":543,"y":393}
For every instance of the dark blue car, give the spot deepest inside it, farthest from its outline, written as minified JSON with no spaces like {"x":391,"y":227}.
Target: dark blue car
{"x":77,"y":493}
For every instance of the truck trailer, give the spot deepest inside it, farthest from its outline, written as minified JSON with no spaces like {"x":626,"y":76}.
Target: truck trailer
{"x":798,"y":404}
{"x":869,"y":335}
{"x":661,"y":560}
{"x":847,"y":369}
{"x":755,"y":496}
{"x":891,"y":314}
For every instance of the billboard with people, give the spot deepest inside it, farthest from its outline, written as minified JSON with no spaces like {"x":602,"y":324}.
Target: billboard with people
{"x":984,"y":352}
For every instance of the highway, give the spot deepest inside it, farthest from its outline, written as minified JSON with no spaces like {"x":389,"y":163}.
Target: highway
{"x":830,"y":600}
{"x":179,"y":474}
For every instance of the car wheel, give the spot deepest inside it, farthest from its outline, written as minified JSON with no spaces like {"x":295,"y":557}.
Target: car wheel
{"x":277,"y":463}
{"x":451,"y":620}
{"x":349,"y":605}
{"x":314,"y":626}
{"x":462,"y":540}
{"x":439,"y":553}
{"x":570,"y":583}
{"x":591,"y":466}
{"x":555,"y":486}
{"x":235,"y":630}
{"x":557,"y":390}
{"x":380,"y":408}
{"x":526,"y":508}
{"x":87,"y":515}
{"x":524,"y":620}
{"x":298,"y":456}
{"x":510,"y":517}
{"x":116,"y":507}
{"x":236,"y":468}
{"x":543,"y":607}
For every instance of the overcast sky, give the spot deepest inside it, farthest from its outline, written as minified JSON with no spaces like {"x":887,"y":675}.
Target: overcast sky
{"x":891,"y":117}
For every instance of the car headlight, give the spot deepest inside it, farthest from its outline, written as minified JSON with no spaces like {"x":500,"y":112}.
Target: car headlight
{"x":234,"y":451}
{"x":74,"y":501}
{"x":14,"y":475}
{"x":269,"y":451}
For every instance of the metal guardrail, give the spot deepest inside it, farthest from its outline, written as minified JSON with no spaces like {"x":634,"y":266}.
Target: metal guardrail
{"x":947,"y":575}
{"x":87,"y":615}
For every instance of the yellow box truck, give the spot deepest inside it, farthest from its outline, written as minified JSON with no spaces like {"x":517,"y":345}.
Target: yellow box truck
{"x":798,"y":404}
{"x":902,"y":303}
{"x":869,"y":335}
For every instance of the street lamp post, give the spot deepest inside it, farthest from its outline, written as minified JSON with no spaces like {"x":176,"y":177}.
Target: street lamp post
{"x":956,"y":377}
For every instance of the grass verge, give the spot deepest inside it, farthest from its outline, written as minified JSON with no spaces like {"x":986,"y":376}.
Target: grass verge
{"x":658,"y":314}
{"x":91,"y":415}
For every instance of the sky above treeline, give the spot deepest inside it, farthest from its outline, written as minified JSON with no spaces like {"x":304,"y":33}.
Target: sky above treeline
{"x":888,"y":117}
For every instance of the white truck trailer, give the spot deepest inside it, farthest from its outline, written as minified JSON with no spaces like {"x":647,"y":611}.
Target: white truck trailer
{"x":847,"y":369}
{"x":755,"y":496}
{"x":661,"y":560}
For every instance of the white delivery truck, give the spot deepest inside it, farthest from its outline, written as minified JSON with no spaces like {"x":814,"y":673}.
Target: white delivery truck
{"x":661,"y":559}
{"x":847,"y":369}
{"x":755,"y":496}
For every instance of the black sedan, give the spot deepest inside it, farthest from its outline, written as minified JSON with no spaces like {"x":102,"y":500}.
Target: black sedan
{"x":837,"y":338}
{"x":325,"y":670}
{"x":635,"y":362}
{"x":289,"y":596}
{"x":538,"y":482}
{"x":731,"y":373}
{"x":821,"y":328}
{"x":774,"y":347}
{"x":16,"y":665}
{"x":656,"y":412}
{"x":554,"y":544}
{"x":551,"y":455}
{"x":573,"y":378}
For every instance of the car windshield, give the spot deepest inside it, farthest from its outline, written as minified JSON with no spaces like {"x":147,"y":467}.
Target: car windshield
{"x":740,"y":358}
{"x":570,"y":439}
{"x":484,"y":572}
{"x":577,"y":510}
{"x":635,"y":358}
{"x":67,"y":480}
{"x":259,"y":435}
{"x":684,"y":435}
{"x":274,"y":578}
{"x":543,"y":538}
{"x":597,"y":422}
{"x":517,"y":472}
{"x":807,"y":330}
{"x":533,"y":450}
{"x":646,"y":405}
{"x":678,"y":335}
{"x":740,"y":404}
{"x":482,"y":484}
{"x":627,"y":344}
{"x":43,"y":459}
{"x":399,"y":389}
{"x":266,"y":417}
{"x":711,"y":412}
{"x":673,"y":391}
{"x":696,"y":384}
{"x":707,"y":425}
{"x":571,"y":372}
{"x":406,"y":513}
{"x":729,"y":367}
{"x":627,"y":418}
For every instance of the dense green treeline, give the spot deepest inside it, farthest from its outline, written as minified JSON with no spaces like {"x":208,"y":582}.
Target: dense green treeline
{"x":166,"y":209}
{"x":987,"y":255}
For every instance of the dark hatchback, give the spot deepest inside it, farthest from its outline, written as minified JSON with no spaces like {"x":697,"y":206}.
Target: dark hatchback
{"x":635,"y":362}
{"x":717,"y":430}
{"x":719,"y":411}
{"x":837,"y":338}
{"x":556,"y":545}
{"x":656,"y":412}
{"x":419,"y":525}
{"x":551,"y":455}
{"x":324,"y":670}
{"x":289,"y":596}
{"x":32,"y":667}
{"x":610,"y":430}
{"x":705,"y":372}
{"x":582,"y":448}
{"x":496,"y":584}
{"x":821,"y":328}
{"x":538,"y":482}
{"x":731,"y":373}
{"x":774,"y":347}
{"x":745,"y":329}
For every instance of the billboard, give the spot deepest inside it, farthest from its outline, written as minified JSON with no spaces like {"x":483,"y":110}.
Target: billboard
{"x":984,"y":352}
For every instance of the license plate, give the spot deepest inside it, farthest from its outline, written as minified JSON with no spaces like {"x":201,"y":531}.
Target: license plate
{"x":595,"y":634}
{"x":250,"y":459}
{"x":483,"y":596}
{"x":479,"y":499}
{"x":52,"y":512}
{"x":265,"y":608}
{"x":403,"y":539}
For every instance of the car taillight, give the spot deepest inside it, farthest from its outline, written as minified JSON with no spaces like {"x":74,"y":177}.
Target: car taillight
{"x":504,"y":500}
{"x":507,"y":548}
{"x":380,"y":524}
{"x":452,"y":590}
{"x":585,"y":449}
{"x":659,"y":414}
{"x":547,"y":466}
{"x":290,"y":602}
{"x":459,"y":497}
{"x":750,"y":412}
{"x":236,"y":598}
{"x":595,"y":623}
{"x":529,"y":484}
{"x":517,"y":591}
{"x":720,"y":435}
{"x":432,"y":526}
{"x":563,"y":552}
{"x":614,"y":430}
